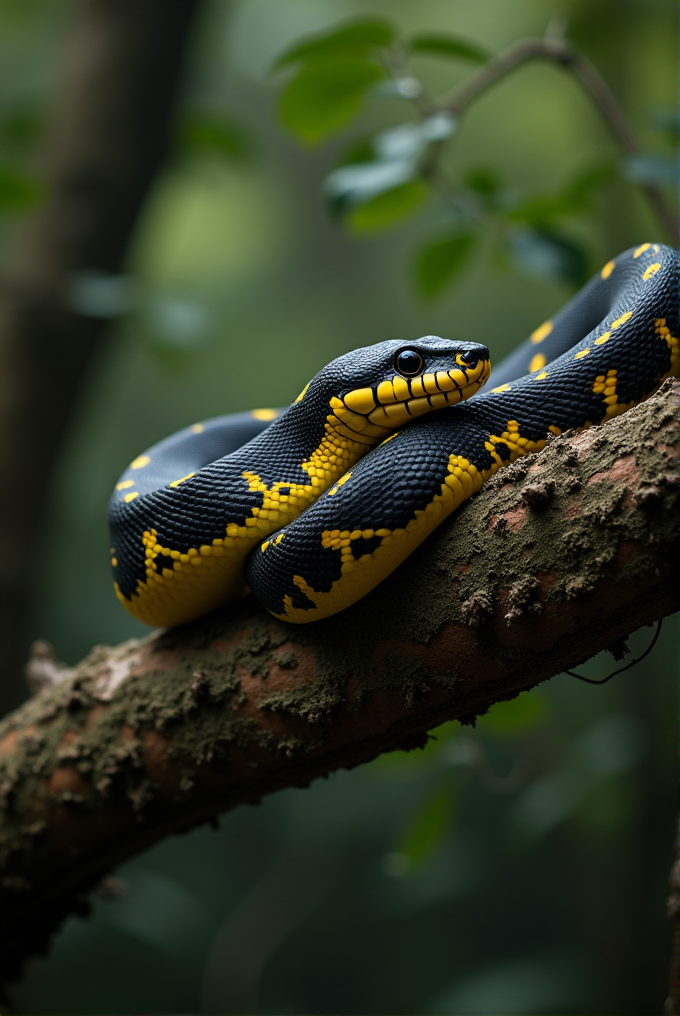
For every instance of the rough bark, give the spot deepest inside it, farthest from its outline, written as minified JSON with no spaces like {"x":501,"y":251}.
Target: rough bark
{"x":108,"y":136}
{"x":559,"y":556}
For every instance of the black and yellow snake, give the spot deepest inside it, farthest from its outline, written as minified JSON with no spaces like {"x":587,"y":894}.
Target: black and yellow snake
{"x":311,"y":507}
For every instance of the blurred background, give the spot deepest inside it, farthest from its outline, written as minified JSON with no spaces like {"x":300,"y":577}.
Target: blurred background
{"x":518,"y":867}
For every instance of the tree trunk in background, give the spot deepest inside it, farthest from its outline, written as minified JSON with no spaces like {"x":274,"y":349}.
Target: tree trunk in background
{"x":108,"y":138}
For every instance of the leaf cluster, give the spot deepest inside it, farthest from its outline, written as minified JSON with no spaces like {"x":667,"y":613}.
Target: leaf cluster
{"x":389,"y":176}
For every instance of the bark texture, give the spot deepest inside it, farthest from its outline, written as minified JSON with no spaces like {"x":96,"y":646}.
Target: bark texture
{"x":559,"y":556}
{"x":108,"y":136}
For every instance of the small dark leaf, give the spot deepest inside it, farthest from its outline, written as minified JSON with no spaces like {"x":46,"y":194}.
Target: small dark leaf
{"x":658,"y":170}
{"x":484,"y":180}
{"x":580,"y":191}
{"x":18,"y":192}
{"x":358,"y":152}
{"x":206,"y":134}
{"x":551,"y":255}
{"x":439,"y":262}
{"x":388,"y":208}
{"x":20,"y":127}
{"x":353,"y":39}
{"x":448,"y":46}
{"x":543,"y":210}
{"x":667,"y":122}
{"x":322,"y":98}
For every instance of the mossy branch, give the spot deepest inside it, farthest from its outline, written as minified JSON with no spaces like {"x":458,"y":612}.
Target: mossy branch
{"x":559,"y":556}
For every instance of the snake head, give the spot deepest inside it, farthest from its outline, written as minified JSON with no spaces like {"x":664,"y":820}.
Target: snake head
{"x":399,"y":381}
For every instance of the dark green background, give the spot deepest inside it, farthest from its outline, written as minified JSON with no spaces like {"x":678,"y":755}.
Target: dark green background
{"x":410,"y":885}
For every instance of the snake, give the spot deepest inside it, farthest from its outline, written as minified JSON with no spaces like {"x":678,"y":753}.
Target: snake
{"x":311,"y":507}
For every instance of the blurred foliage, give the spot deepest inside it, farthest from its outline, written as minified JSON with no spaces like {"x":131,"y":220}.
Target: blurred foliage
{"x":202,"y":133}
{"x":389,"y":184}
{"x":518,"y":866}
{"x":18,"y":192}
{"x":447,"y":46}
{"x":441,"y":261}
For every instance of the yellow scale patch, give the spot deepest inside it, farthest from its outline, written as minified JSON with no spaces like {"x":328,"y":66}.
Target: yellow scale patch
{"x":359,"y":577}
{"x":673,"y":341}
{"x":605,"y":385}
{"x":205,"y":577}
{"x":541,"y":332}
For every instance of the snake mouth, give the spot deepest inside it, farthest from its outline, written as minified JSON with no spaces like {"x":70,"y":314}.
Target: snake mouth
{"x":393,"y":403}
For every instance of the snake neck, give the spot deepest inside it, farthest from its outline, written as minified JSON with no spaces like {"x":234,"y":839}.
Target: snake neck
{"x":324,"y":440}
{"x":347,"y":437}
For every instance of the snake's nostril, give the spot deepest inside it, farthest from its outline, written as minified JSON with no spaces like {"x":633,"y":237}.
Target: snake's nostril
{"x":468,"y":358}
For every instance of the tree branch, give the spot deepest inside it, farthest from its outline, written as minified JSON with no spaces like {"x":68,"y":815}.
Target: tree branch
{"x":561,"y":52}
{"x":558,"y":556}
{"x":108,"y":137}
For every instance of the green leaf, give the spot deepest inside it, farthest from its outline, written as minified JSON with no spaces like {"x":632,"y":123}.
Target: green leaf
{"x":516,"y":716}
{"x":551,"y":255}
{"x":358,"y":183}
{"x":667,"y":122}
{"x":581,"y":189}
{"x":20,"y":127}
{"x":645,"y":169}
{"x":439,"y":262}
{"x":354,"y":39}
{"x":18,"y":192}
{"x":388,"y":208}
{"x":322,"y":98}
{"x":543,"y":210}
{"x":483,"y":180}
{"x":359,"y":151}
{"x":203,"y":134}
{"x":409,"y":140}
{"x":427,"y":828}
{"x":448,"y":46}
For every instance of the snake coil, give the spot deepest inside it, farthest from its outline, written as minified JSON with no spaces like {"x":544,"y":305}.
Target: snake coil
{"x":311,"y":507}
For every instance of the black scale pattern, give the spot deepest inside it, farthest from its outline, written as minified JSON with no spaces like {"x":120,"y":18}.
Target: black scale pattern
{"x":402,"y":476}
{"x":397,"y":479}
{"x":198,"y":511}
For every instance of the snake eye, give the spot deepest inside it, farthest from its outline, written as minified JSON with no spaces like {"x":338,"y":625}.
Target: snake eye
{"x":408,"y":362}
{"x":467,"y":359}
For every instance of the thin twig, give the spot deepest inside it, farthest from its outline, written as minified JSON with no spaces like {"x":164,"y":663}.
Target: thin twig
{"x":559,"y":51}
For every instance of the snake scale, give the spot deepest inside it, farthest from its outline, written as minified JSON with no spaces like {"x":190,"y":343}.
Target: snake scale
{"x":312,"y":506}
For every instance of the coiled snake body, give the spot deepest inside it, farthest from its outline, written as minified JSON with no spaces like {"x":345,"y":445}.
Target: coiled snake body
{"x":312,"y":506}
